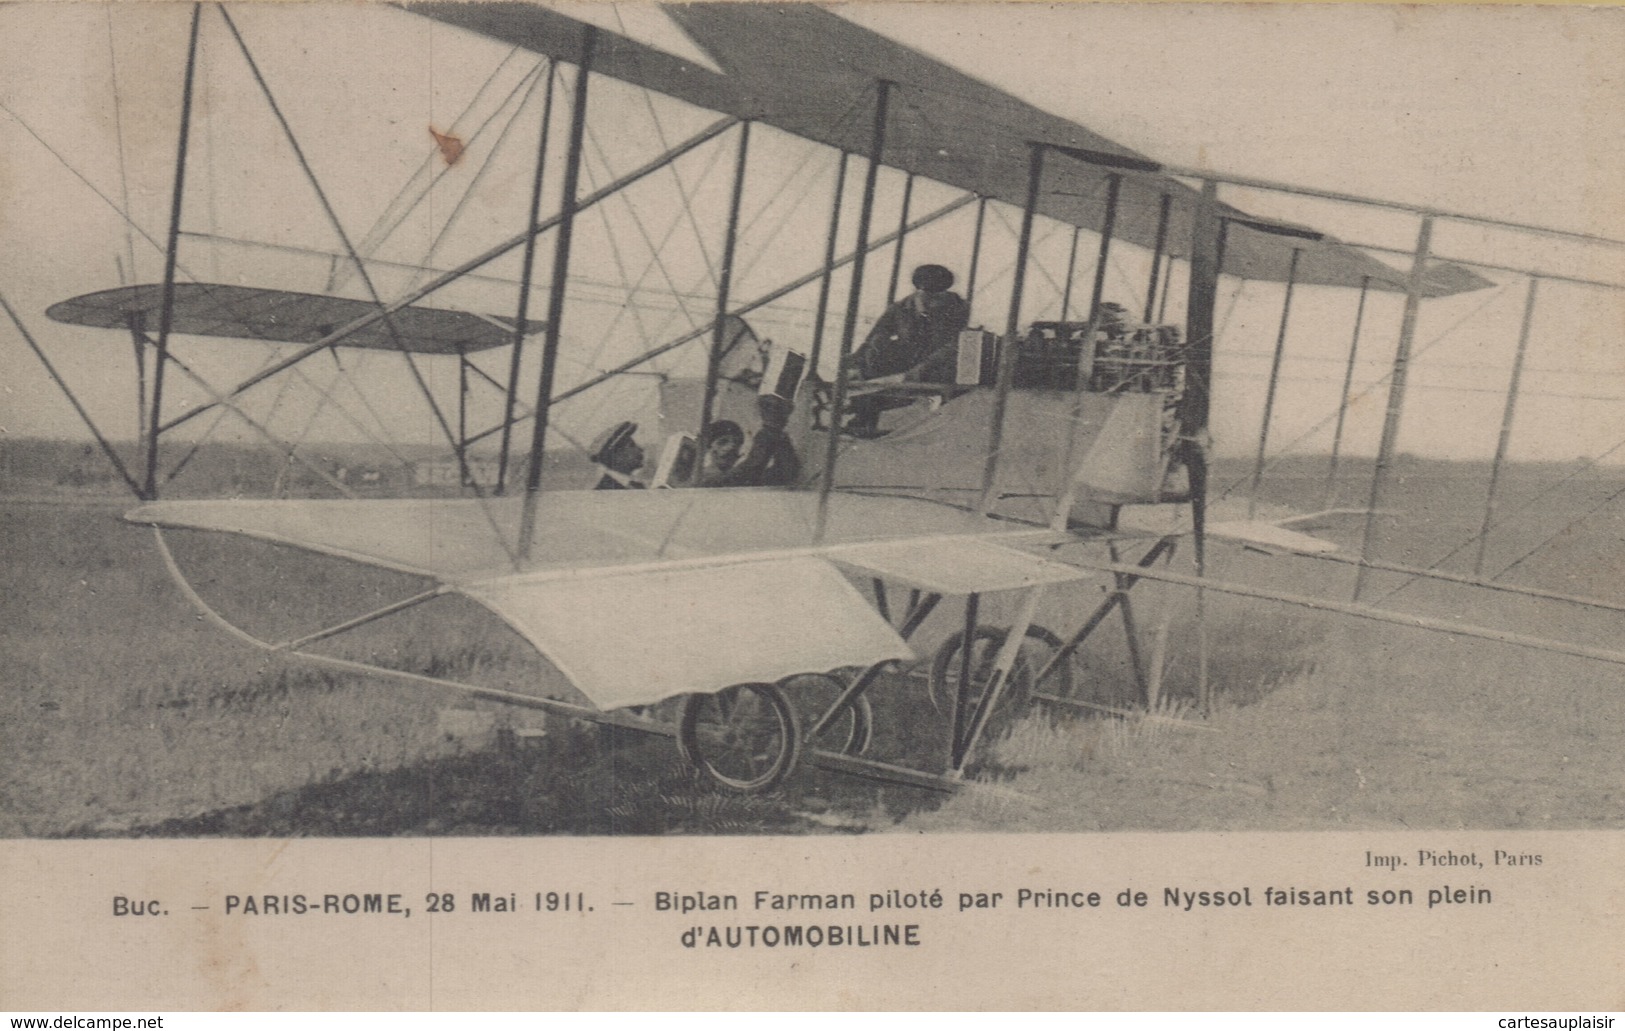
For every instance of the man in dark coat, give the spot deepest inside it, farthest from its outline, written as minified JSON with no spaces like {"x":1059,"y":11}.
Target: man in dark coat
{"x":916,"y":338}
{"x":772,"y":460}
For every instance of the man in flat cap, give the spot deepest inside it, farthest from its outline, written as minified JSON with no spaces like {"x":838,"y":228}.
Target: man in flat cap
{"x":917,"y":338}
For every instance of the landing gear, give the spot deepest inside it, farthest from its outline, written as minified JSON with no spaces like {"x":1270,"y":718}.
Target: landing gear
{"x":848,"y":730}
{"x":746,"y":738}
{"x":1037,"y":657}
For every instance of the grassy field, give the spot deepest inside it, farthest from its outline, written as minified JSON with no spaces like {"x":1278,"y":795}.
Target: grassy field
{"x":124,"y":714}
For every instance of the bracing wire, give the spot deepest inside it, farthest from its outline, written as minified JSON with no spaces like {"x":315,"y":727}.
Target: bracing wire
{"x":361,"y":270}
{"x":1326,"y":421}
{"x":534,"y":79}
{"x":118,"y":127}
{"x":1507,"y":514}
{"x":391,"y":220}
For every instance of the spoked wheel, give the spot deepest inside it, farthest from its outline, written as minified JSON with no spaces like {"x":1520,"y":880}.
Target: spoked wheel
{"x":851,"y":729}
{"x":747,"y":737}
{"x":1037,"y":648}
{"x":1038,"y":653}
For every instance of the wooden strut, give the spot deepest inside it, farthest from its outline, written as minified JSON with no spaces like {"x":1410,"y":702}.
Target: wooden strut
{"x":568,"y":206}
{"x":1468,"y":581}
{"x":975,"y":254}
{"x":1007,"y":356}
{"x":166,"y":314}
{"x":902,"y":238}
{"x":1119,"y":594}
{"x":826,"y":276}
{"x":1343,"y":399}
{"x":849,"y":328}
{"x":1274,"y":382}
{"x":527,"y":269}
{"x":1370,"y":612}
{"x":1163,"y":211}
{"x":713,"y":364}
{"x":1396,"y":392}
{"x":1507,"y":414}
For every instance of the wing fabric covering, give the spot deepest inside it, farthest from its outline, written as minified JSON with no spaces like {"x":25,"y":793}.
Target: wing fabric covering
{"x":640,"y":595}
{"x":637,"y":638}
{"x":286,"y":317}
{"x":962,"y":565}
{"x":803,"y":69}
{"x":1271,"y":537}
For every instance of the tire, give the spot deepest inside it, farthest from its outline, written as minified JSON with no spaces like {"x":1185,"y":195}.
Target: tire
{"x":852,"y":729}
{"x":1041,"y":644}
{"x":746,"y":738}
{"x":944,"y":680}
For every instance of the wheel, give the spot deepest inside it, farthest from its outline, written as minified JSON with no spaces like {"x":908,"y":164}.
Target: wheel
{"x":746,"y":737}
{"x":945,"y":668}
{"x":852,"y":728}
{"x":1041,"y":646}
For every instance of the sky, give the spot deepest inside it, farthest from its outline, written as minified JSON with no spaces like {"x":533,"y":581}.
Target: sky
{"x":1515,"y":113}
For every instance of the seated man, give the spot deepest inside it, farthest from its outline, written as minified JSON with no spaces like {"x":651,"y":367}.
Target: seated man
{"x":772,"y":460}
{"x":727,"y":441}
{"x":917,"y":338}
{"x":618,"y":453}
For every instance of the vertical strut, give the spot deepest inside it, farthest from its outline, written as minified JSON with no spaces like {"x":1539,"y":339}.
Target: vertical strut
{"x":1071,"y":271}
{"x":1207,"y":262}
{"x":1114,"y":183}
{"x":713,"y":365}
{"x":1108,"y":228}
{"x":1156,"y":253}
{"x":975,"y":253}
{"x":555,"y":298}
{"x":1343,"y":399}
{"x":1275,"y":379}
{"x":1506,"y":423}
{"x":902,"y":238}
{"x":877,"y":147}
{"x":967,"y":669}
{"x":829,"y":266}
{"x":527,"y":270}
{"x":1167,"y":281}
{"x":1396,"y":392}
{"x":1012,"y":322}
{"x":467,"y":475}
{"x":166,"y":316}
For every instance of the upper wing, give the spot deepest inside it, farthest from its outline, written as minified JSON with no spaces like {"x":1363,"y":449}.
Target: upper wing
{"x":805,"y":70}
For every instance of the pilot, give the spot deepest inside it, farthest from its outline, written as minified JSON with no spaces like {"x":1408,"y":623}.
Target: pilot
{"x":722,"y":454}
{"x":772,"y":460}
{"x":618,"y":453}
{"x":917,"y":338}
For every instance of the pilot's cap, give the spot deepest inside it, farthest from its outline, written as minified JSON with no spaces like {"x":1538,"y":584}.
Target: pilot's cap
{"x":933,"y":279}
{"x":611,"y":439}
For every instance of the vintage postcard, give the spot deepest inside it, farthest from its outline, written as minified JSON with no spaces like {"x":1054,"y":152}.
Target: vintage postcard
{"x":774,"y":506}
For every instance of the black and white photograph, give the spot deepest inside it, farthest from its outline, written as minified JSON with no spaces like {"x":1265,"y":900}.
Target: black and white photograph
{"x":938,"y":428}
